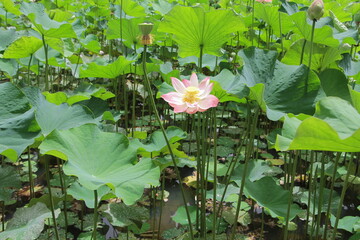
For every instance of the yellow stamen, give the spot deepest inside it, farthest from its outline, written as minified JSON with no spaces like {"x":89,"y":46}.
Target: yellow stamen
{"x":191,"y":95}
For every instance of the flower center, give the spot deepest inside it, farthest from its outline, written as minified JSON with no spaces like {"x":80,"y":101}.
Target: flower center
{"x":191,"y":95}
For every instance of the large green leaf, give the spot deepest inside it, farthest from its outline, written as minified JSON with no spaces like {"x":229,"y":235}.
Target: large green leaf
{"x":46,"y":26}
{"x":193,"y":27}
{"x":132,"y":8}
{"x":111,"y":70}
{"x":27,"y":223}
{"x":278,"y":88}
{"x":99,"y":158}
{"x":334,"y":127}
{"x":81,"y":193}
{"x":50,"y":116}
{"x":9,"y":181}
{"x":267,"y":193}
{"x":122,"y":215}
{"x":23,"y":47}
{"x":271,"y":15}
{"x":157,"y":141}
{"x":334,"y":83}
{"x":17,"y":122}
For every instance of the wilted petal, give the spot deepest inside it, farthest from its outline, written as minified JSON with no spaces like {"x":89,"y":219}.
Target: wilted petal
{"x":178,"y":85}
{"x":208,"y":102}
{"x":173,"y":97}
{"x":194,"y":80}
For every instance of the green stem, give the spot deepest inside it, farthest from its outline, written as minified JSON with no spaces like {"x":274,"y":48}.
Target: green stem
{"x":64,"y":192}
{"x":215,"y":174}
{"x":310,"y":177}
{"x":152,"y":101}
{"x":342,"y":196}
{"x":161,"y":204}
{"x":321,"y":194}
{"x":2,"y":216}
{"x":31,"y":180}
{"x":95,"y":214}
{"x":293,"y":172}
{"x":310,"y":57}
{"x":302,"y":51}
{"x":252,"y":22}
{"x":243,"y":179}
{"x":51,"y":199}
{"x":200,"y":58}
{"x":46,"y":64}
{"x":28,"y":73}
{"x":337,"y":158}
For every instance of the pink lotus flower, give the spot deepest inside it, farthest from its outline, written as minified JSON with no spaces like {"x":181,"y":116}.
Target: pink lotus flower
{"x":191,"y":96}
{"x":262,"y":1}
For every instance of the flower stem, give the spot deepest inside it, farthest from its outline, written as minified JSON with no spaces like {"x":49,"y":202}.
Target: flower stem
{"x":293,"y":172}
{"x":243,"y":179}
{"x":342,"y":196}
{"x":47,"y":173}
{"x":337,"y":158}
{"x":200,"y":58}
{"x":31,"y":180}
{"x":310,"y":57}
{"x":152,"y":102}
{"x":215,"y":177}
{"x":95,"y":214}
{"x":46,"y":64}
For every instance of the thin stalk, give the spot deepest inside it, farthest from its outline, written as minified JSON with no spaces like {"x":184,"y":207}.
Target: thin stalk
{"x":321,"y":193}
{"x":314,"y":202}
{"x":215,"y":175}
{"x":252,"y":22}
{"x":281,"y":37}
{"x":293,"y":172}
{"x":2,"y":216}
{"x":51,"y":199}
{"x":310,"y":191}
{"x":28,"y":73}
{"x":161,"y":204}
{"x":31,"y":180}
{"x":302,"y":52}
{"x":95,"y":214}
{"x":232,"y":165}
{"x":200,"y":58}
{"x":337,"y":158}
{"x":152,"y":101}
{"x":64,"y":192}
{"x":310,"y":57}
{"x":342,"y":196}
{"x":243,"y":179}
{"x":46,"y":63}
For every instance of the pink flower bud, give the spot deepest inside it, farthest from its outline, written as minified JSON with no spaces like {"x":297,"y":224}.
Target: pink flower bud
{"x":316,"y":10}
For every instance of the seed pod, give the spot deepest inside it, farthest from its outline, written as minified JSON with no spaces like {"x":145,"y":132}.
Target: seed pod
{"x":316,"y":10}
{"x":146,"y":38}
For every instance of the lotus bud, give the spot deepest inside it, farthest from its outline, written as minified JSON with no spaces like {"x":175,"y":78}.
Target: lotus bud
{"x":316,"y":10}
{"x":146,"y":38}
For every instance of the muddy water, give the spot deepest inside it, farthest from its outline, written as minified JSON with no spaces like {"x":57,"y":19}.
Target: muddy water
{"x":175,"y":200}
